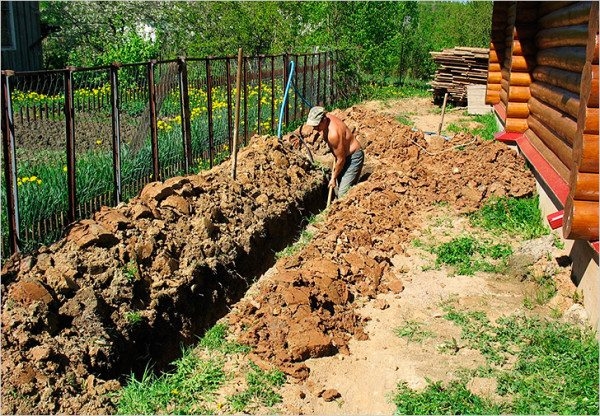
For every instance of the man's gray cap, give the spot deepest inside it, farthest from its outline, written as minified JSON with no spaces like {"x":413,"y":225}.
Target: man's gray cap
{"x":315,"y":116}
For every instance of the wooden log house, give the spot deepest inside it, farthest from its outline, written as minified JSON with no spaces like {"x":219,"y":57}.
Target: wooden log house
{"x":545,"y":93}
{"x":543,"y":85}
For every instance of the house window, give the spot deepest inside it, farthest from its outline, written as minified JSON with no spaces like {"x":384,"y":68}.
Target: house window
{"x":8,"y":27}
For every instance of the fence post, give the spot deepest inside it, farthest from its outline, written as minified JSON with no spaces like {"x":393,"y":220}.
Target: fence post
{"x":229,"y":111}
{"x":295,"y":116}
{"x":116,"y":131}
{"x":209,"y":112}
{"x":272,"y":93}
{"x":153,"y":121}
{"x":245,"y":100}
{"x":259,"y":92}
{"x":319,"y":79}
{"x":70,"y":130}
{"x":304,"y":85}
{"x":186,"y":126}
{"x":330,"y":61}
{"x":10,"y":163}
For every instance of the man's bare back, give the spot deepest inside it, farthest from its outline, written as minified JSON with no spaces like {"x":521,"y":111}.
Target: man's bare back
{"x":343,"y":145}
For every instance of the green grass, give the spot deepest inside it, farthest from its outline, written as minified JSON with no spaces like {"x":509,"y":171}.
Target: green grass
{"x":216,"y":339}
{"x":453,"y":399}
{"x":181,"y":392}
{"x":260,"y":389}
{"x":192,"y":388}
{"x":555,"y":369}
{"x":412,"y":331}
{"x":516,"y":216}
{"x":489,"y":127}
{"x":486,"y":130}
{"x":545,"y":290}
{"x":468,"y":255}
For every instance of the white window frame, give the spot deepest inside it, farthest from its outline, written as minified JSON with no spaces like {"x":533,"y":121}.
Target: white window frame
{"x":11,"y":22}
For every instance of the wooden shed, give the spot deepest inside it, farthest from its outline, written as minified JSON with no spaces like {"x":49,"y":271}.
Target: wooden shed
{"x":21,"y":36}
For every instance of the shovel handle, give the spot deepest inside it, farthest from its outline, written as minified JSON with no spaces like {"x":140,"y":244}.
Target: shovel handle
{"x":330,"y":189}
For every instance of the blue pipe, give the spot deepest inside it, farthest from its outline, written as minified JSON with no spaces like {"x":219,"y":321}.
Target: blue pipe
{"x":285,"y":96}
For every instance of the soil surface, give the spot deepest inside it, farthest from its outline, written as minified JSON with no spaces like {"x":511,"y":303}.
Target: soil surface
{"x":182,"y":255}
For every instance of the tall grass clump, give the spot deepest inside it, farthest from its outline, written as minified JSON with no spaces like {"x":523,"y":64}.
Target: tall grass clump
{"x":181,"y":392}
{"x":516,"y":216}
{"x":468,"y":255}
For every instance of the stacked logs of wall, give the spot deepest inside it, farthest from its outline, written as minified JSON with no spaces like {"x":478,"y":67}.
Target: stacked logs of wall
{"x":548,"y":92}
{"x":522,"y":64}
{"x":555,"y":90}
{"x":497,"y":54}
{"x":581,"y":208}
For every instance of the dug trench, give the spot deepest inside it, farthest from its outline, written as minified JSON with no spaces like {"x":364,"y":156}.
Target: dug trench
{"x":129,"y":286}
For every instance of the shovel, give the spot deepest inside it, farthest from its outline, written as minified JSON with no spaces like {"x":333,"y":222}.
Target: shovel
{"x":330,"y":189}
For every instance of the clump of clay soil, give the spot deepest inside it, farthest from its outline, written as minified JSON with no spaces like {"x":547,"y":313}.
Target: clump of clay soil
{"x":134,"y":282}
{"x":306,"y":309}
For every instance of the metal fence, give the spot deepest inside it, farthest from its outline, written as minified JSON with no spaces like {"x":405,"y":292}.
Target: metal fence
{"x":80,"y":138}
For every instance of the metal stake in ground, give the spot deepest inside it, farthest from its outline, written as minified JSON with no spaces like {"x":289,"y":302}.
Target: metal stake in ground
{"x":237,"y":115}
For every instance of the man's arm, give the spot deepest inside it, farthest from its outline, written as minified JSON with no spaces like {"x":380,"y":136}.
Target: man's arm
{"x":340,"y":159}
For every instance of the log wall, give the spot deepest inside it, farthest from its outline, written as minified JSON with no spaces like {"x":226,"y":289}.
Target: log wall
{"x":498,"y":52}
{"x":546,"y":89}
{"x":581,"y":208}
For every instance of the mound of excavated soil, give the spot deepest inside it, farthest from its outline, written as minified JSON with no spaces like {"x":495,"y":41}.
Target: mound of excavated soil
{"x":176,"y":256}
{"x":137,"y":281}
{"x":306,"y":308}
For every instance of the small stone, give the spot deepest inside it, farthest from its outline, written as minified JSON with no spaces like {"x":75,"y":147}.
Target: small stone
{"x":330,"y":395}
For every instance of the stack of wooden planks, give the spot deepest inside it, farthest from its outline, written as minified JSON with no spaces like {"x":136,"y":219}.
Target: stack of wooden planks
{"x":457,"y":68}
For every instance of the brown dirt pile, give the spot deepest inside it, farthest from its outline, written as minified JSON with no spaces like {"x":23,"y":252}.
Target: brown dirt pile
{"x":136,"y":281}
{"x":306,"y":308}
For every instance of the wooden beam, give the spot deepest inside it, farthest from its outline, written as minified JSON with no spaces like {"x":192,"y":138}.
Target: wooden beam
{"x":519,"y":94}
{"x":589,"y":153}
{"x":559,"y":147}
{"x":570,"y":58}
{"x":562,"y":124}
{"x":581,"y":220}
{"x":517,"y":110}
{"x":557,"y":97}
{"x":562,"y":36}
{"x":515,"y":125}
{"x":567,"y":80}
{"x":586,"y":188}
{"x":574,"y":14}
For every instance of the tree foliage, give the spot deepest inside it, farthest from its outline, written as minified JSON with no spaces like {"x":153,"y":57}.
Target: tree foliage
{"x":381,"y":41}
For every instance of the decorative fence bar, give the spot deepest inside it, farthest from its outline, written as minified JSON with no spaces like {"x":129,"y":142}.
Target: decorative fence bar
{"x":79,"y":138}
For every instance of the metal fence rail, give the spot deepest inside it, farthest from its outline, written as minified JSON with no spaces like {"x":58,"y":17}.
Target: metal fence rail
{"x":79,"y":138}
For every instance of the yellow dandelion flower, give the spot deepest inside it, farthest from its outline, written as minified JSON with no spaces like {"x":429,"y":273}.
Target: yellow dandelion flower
{"x":33,"y":178}
{"x":98,"y":142}
{"x":39,"y":181}
{"x":64,"y":168}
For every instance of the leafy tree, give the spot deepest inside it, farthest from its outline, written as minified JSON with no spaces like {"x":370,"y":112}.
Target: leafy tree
{"x":379,"y":41}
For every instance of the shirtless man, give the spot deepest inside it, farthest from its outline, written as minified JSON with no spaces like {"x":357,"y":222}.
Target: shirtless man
{"x":349,"y":156}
